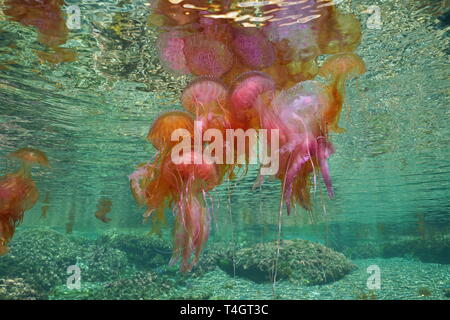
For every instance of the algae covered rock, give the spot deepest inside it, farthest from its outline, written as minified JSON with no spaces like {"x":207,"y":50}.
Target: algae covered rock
{"x":98,"y":263}
{"x":139,"y":286}
{"x":299,"y":261}
{"x":436,"y":250}
{"x":42,"y":257}
{"x":145,"y":252}
{"x":17,"y":289}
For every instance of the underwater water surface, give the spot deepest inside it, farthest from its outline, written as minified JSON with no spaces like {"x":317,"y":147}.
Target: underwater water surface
{"x":89,"y":100}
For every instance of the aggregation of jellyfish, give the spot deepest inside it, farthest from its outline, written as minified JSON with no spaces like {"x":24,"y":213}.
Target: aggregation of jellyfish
{"x":254,"y":70}
{"x":18,"y":193}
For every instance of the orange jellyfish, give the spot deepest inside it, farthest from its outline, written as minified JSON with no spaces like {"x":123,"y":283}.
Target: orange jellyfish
{"x":145,"y":182}
{"x":189,"y":177}
{"x":47,"y":16}
{"x":207,"y":98}
{"x":160,"y":134}
{"x":18,"y":193}
{"x":341,"y":33}
{"x":103,"y":208}
{"x":180,"y":180}
{"x":337,"y":69}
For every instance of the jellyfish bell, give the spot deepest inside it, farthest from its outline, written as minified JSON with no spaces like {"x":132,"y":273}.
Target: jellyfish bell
{"x":295,"y":25}
{"x":248,"y":87}
{"x":171,"y":51}
{"x":301,"y":107}
{"x":30,"y":156}
{"x":216,"y":29}
{"x":245,"y":92}
{"x":47,"y":16}
{"x":253,"y":48}
{"x":206,"y":56}
{"x":346,"y":65}
{"x":205,"y":95}
{"x":160,"y":134}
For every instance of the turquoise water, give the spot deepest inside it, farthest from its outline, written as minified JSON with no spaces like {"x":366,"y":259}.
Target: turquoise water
{"x":390,"y":171}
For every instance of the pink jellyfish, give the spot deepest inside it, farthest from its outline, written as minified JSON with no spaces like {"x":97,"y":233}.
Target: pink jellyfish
{"x":244,"y":93}
{"x":171,"y":51}
{"x":304,"y":147}
{"x":207,"y":56}
{"x":253,"y":48}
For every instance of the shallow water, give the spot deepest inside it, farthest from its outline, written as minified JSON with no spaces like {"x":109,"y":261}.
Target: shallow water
{"x":390,"y":171}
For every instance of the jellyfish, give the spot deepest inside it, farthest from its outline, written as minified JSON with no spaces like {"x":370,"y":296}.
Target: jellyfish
{"x":103,"y":208}
{"x":189,"y":178}
{"x":145,"y":182}
{"x":216,"y":29}
{"x":295,"y":26}
{"x":298,"y":114}
{"x":207,"y":97}
{"x":253,"y":48}
{"x":299,"y":31}
{"x":18,"y":192}
{"x":160,"y":133}
{"x":337,"y":69}
{"x":171,"y":54}
{"x":139,"y":179}
{"x":341,"y":33}
{"x":48,"y":17}
{"x":206,"y":56}
{"x":244,"y":93}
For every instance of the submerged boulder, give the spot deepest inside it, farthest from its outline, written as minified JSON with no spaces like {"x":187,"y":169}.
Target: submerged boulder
{"x":435,"y":250}
{"x":42,"y":257}
{"x":17,"y":289}
{"x":299,"y":261}
{"x":146,"y":252}
{"x":98,"y":263}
